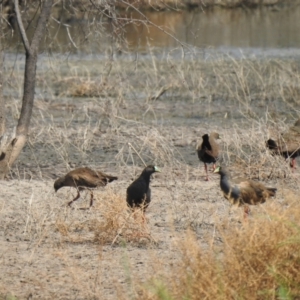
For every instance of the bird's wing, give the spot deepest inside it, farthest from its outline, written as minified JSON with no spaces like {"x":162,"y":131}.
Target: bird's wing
{"x":209,"y":152}
{"x":86,"y":179}
{"x":289,"y":141}
{"x":205,"y":151}
{"x":215,"y":149}
{"x":291,"y":146}
{"x":137,"y":190}
{"x":148,"y":196}
{"x":254,"y":192}
{"x":94,"y":178}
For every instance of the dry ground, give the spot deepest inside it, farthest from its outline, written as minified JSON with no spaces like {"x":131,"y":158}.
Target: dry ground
{"x":50,"y":251}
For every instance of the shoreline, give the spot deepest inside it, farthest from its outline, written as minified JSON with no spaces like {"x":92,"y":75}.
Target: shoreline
{"x":162,"y":5}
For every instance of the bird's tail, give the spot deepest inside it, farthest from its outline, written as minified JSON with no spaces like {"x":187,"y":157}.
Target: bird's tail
{"x":111,"y":178}
{"x":272,"y":191}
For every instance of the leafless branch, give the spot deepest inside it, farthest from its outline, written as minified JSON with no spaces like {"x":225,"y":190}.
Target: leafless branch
{"x":154,"y":25}
{"x":144,"y":21}
{"x":21,"y":26}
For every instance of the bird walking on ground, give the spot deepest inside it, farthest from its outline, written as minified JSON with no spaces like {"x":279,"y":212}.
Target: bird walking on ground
{"x":208,"y":151}
{"x":248,"y":192}
{"x":138,"y":192}
{"x":288,"y":145}
{"x":81,"y":179}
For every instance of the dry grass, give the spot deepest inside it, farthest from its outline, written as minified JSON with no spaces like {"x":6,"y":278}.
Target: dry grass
{"x":246,"y":153}
{"x":117,"y":126}
{"x":259,"y":260}
{"x":112,"y":223}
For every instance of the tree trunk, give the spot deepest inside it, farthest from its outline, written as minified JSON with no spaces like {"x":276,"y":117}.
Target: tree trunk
{"x":16,"y":143}
{"x":2,"y":109}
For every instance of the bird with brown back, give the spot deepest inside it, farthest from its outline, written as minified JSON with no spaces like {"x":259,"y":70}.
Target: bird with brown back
{"x":247,"y":192}
{"x":81,"y":179}
{"x":208,"y":151}
{"x":288,"y":145}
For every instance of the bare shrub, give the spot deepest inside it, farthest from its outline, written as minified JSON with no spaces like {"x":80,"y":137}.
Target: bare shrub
{"x":113,"y":223}
{"x":259,"y":260}
{"x":246,"y":152}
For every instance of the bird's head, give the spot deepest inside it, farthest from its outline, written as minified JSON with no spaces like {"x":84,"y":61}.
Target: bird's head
{"x":271,"y":144}
{"x":151,"y":169}
{"x":215,"y":135}
{"x":222,"y":171}
{"x":218,"y":169}
{"x":58,"y":183}
{"x":156,"y":169}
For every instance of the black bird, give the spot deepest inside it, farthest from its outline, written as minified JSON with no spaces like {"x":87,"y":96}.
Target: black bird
{"x":288,"y":145}
{"x":246,"y":192}
{"x":139,"y":193}
{"x":81,"y":179}
{"x":208,"y":151}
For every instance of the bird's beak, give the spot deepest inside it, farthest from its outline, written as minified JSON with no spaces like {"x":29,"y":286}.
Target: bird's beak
{"x":217,"y":169}
{"x":156,"y":169}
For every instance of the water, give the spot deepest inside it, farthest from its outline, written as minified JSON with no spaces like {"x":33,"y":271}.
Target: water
{"x":239,"y":32}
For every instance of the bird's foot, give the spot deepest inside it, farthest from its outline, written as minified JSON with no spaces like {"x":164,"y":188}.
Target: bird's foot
{"x":247,"y":212}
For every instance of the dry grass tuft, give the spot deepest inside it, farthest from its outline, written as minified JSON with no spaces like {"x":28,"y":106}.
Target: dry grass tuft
{"x":119,"y":223}
{"x":260,"y":260}
{"x":112,"y":223}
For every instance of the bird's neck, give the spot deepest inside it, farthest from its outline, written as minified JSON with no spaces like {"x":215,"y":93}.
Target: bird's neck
{"x":224,"y":183}
{"x":146,"y":176}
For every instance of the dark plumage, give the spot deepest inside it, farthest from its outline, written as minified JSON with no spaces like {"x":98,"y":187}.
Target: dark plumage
{"x":246,"y":192}
{"x":83,"y":178}
{"x":208,"y":151}
{"x":139,"y":193}
{"x":288,"y":145}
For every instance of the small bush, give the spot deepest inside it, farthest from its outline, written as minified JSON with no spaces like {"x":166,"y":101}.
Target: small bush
{"x":260,"y":260}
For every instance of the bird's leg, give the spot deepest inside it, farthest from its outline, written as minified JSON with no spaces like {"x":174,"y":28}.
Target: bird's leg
{"x":78,"y":195}
{"x":214,"y":167}
{"x":293,"y":164}
{"x":205,"y":167}
{"x":92,"y":198}
{"x":145,"y":224}
{"x":145,"y":230}
{"x":91,"y":201}
{"x":246,"y":212}
{"x":145,"y":221}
